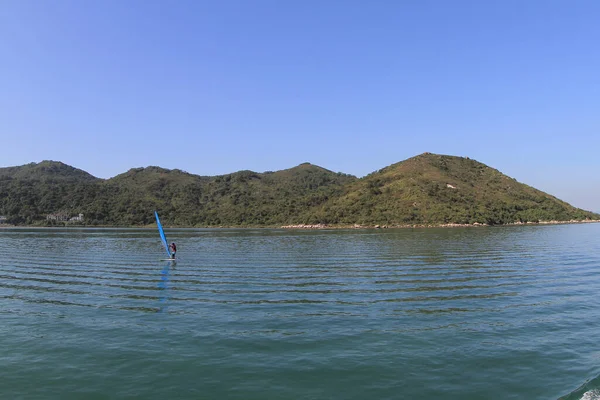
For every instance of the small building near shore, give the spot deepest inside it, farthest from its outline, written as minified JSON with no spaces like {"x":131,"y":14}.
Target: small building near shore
{"x":3,"y":219}
{"x":59,"y":216}
{"x":78,"y":218}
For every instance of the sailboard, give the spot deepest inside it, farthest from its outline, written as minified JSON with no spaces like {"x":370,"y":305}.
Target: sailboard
{"x":162,"y":235}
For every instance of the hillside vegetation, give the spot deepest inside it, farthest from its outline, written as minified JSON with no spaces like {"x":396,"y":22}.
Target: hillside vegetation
{"x":426,"y":189}
{"x":434,"y":189}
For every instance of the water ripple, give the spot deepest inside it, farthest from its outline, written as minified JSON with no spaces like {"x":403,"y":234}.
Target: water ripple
{"x":440,"y":313}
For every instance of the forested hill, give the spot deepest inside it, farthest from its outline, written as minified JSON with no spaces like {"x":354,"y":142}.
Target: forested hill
{"x":426,"y":189}
{"x":434,"y":189}
{"x":46,"y":171}
{"x":28,"y":194}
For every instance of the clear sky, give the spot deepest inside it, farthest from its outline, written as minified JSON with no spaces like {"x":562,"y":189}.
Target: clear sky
{"x":213,"y":87}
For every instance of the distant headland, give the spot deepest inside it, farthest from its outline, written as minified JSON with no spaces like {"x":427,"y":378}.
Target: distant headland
{"x":422,"y":191}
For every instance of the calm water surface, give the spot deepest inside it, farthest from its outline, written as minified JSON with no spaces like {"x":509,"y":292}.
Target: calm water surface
{"x":474,"y":313}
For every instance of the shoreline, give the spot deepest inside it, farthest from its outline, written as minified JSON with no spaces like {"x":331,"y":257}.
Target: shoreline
{"x":314,"y":226}
{"x":449,"y":225}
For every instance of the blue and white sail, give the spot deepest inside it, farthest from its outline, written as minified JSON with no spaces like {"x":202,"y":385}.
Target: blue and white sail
{"x":162,"y":235}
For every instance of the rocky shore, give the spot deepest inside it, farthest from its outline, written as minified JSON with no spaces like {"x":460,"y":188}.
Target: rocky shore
{"x":451,"y":225}
{"x":323,"y":226}
{"x":305,"y":226}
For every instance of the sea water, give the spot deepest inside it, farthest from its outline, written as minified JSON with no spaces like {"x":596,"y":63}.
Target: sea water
{"x":460,"y":313}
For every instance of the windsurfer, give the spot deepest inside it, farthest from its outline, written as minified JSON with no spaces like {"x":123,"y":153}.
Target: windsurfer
{"x":173,"y":249}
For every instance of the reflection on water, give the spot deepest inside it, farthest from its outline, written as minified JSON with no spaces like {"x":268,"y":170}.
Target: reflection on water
{"x":426,"y":313}
{"x":164,"y":285}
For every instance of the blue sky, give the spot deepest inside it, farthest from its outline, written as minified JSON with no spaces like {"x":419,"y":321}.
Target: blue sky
{"x":212,"y":87}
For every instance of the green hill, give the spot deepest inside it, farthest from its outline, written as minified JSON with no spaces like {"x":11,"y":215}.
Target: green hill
{"x":243,"y":198}
{"x":30,"y":191}
{"x":440,"y":189}
{"x":427,"y":189}
{"x":46,"y":171}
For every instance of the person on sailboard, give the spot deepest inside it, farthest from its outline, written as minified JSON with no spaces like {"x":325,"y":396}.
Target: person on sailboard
{"x":173,"y":249}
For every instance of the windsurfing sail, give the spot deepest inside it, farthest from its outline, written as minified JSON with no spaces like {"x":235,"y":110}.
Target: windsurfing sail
{"x":162,"y":234}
